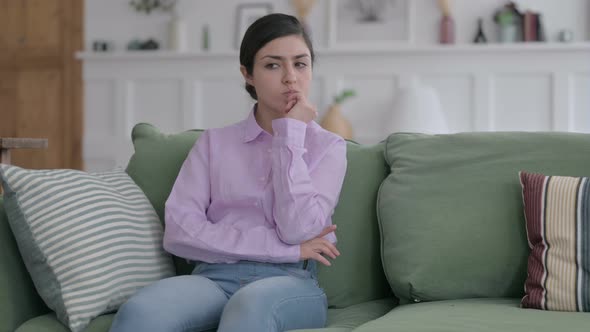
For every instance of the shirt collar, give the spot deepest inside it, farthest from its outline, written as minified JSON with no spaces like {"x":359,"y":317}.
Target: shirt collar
{"x":251,"y":128}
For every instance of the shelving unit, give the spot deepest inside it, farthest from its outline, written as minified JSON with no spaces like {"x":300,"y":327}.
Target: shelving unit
{"x":413,"y":49}
{"x":490,"y":87}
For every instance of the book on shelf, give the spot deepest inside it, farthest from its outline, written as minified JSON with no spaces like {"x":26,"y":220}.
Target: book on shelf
{"x":532,"y":27}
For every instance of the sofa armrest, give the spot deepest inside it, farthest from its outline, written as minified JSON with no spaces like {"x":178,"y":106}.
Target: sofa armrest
{"x":19,"y":300}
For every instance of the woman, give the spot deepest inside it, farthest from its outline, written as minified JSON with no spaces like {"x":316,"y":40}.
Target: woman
{"x":253,"y":201}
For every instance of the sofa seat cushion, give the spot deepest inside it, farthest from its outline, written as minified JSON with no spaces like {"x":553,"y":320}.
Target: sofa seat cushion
{"x":49,"y":323}
{"x":482,"y":315}
{"x":339,"y":320}
{"x":347,"y":319}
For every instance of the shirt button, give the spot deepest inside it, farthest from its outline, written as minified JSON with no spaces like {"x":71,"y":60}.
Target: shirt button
{"x":262,"y":178}
{"x":256,"y":204}
{"x":269,"y":150}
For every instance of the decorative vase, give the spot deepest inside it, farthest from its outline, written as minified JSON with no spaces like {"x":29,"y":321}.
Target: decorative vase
{"x":303,"y":7}
{"x":508,"y":33}
{"x":177,"y":34}
{"x":205,"y":41}
{"x":447,"y":24}
{"x":447,"y":30}
{"x":335,"y":122}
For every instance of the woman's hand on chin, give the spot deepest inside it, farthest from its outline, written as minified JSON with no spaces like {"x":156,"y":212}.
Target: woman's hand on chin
{"x":299,"y":108}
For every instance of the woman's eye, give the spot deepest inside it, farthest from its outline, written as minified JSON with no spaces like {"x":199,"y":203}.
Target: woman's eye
{"x":271,"y":66}
{"x":301,"y":65}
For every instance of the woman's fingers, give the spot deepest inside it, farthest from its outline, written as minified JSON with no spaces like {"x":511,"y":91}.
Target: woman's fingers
{"x":327,"y":231}
{"x":333,"y":248}
{"x":333,"y":252}
{"x":291,"y":102}
{"x":321,"y":259}
{"x":319,"y":247}
{"x":290,"y":105}
{"x":328,"y":251}
{"x":326,"y":248}
{"x":323,"y":249}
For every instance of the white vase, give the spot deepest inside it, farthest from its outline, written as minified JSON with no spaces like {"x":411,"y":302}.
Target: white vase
{"x":178,"y":34}
{"x":417,"y":109}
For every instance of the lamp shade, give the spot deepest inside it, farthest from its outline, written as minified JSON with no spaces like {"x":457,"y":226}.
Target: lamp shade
{"x":417,"y":109}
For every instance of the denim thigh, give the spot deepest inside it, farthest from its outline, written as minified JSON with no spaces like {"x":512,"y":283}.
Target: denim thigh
{"x":182,"y":303}
{"x":268,"y":297}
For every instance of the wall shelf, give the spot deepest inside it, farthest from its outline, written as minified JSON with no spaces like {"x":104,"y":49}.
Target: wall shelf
{"x":413,"y":49}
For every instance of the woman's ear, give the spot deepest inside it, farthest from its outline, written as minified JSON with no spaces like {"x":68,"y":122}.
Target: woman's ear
{"x":247,"y":77}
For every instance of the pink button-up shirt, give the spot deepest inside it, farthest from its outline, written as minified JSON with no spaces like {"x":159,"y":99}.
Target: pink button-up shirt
{"x":243,"y":194}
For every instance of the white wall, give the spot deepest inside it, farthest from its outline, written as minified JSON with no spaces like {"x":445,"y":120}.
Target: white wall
{"x":116,"y":21}
{"x":490,"y":88}
{"x":529,"y":86}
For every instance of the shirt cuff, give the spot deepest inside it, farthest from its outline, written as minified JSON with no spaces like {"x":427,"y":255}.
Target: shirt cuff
{"x":291,"y":131}
{"x":293,"y":254}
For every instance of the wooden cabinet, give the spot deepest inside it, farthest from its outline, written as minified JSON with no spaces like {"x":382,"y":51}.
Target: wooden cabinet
{"x":40,"y":79}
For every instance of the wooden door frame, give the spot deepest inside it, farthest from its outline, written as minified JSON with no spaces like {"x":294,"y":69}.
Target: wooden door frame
{"x":73,"y":28}
{"x":72,"y":41}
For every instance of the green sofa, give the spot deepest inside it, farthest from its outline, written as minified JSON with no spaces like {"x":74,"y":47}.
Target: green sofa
{"x":431,"y":231}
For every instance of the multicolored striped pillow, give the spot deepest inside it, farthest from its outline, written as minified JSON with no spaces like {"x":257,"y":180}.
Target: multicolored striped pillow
{"x":557,"y":211}
{"x":89,"y":240}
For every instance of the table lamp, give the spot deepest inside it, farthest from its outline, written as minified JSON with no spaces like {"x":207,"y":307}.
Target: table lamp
{"x":417,"y":109}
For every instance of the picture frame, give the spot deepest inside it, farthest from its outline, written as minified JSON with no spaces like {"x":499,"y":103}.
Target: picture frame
{"x":370,"y":23}
{"x":246,"y":14}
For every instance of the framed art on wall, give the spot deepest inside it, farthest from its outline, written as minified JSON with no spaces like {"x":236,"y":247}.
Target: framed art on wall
{"x":246,"y":14}
{"x":371,"y":23}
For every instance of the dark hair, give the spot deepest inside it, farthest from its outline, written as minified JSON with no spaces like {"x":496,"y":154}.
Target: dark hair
{"x":264,"y":30}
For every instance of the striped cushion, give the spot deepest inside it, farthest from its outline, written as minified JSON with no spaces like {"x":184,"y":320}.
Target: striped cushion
{"x":557,"y":211}
{"x":89,"y":241}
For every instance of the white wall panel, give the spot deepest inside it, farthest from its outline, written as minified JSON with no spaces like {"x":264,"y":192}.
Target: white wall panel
{"x":157,"y":101}
{"x":522,"y":102}
{"x":99,"y":106}
{"x":456,"y":93}
{"x":580,"y":98}
{"x":224,"y":101}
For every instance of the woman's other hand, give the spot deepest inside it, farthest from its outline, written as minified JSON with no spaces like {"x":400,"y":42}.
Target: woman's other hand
{"x":318,"y":246}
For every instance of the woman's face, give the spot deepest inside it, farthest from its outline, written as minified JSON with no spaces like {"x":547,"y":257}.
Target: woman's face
{"x":282,"y":67}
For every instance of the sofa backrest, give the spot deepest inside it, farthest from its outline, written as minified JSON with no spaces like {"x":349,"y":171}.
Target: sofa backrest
{"x":356,"y":276}
{"x":19,"y":300}
{"x":154,"y":166}
{"x":451,"y":211}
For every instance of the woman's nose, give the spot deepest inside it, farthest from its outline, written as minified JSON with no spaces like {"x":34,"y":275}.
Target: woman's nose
{"x":289,"y":76}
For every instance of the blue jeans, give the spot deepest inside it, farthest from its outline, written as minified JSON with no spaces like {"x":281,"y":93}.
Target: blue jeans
{"x":245,"y":296}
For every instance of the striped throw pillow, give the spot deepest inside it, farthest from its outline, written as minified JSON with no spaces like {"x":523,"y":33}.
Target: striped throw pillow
{"x":89,"y":240}
{"x":557,"y":211}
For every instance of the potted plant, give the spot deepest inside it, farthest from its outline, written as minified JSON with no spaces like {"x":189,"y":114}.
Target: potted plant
{"x":334,"y":121}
